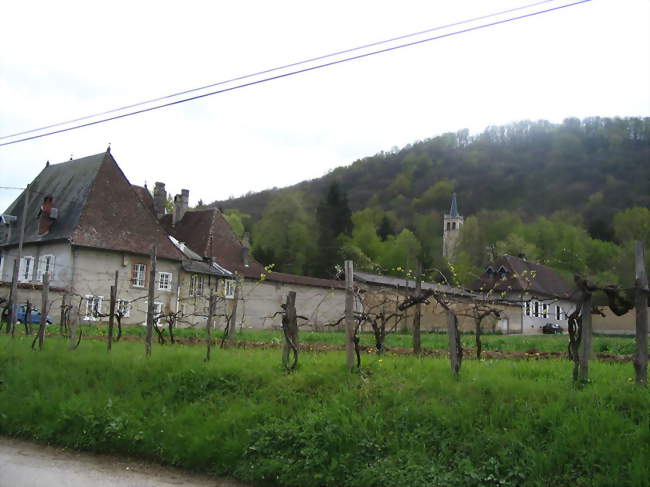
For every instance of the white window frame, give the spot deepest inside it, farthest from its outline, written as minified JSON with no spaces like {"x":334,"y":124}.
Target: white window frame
{"x":26,"y":269}
{"x":196,"y":285}
{"x":229,"y":287}
{"x":91,"y":307}
{"x":558,"y":312}
{"x":157,"y":311}
{"x":124,"y":306}
{"x":45,"y":264}
{"x":165,"y":281}
{"x":2,"y":264}
{"x":536,"y":309}
{"x":545,"y":310}
{"x":139,"y":275}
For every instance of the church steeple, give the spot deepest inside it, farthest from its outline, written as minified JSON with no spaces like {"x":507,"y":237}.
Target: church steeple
{"x":453,"y":211}
{"x":451,"y":229}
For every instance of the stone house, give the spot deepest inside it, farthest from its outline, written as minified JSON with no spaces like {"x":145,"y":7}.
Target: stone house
{"x":536,"y":293}
{"x":85,"y":221}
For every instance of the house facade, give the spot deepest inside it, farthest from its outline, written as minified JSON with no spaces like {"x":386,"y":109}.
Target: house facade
{"x":84,"y":225}
{"x":537,"y":293}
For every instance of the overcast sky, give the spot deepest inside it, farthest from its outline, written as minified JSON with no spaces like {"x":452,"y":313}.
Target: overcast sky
{"x":62,"y":60}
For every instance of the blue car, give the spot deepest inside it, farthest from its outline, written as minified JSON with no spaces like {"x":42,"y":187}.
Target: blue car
{"x":36,"y":315}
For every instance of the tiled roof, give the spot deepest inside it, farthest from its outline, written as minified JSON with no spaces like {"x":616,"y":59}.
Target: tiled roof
{"x":524,"y":276}
{"x":208,"y":233}
{"x":97,"y":207}
{"x":145,"y":196}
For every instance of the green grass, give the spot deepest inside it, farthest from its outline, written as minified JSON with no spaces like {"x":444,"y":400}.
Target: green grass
{"x":520,"y":343}
{"x":403,"y":421}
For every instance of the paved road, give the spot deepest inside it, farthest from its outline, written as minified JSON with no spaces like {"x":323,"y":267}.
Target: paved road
{"x":24,"y":464}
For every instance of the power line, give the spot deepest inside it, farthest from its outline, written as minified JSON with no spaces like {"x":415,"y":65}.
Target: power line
{"x":266,"y":71}
{"x":284,"y":75}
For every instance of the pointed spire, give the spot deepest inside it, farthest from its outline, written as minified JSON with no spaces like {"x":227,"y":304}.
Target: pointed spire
{"x":453,"y":211}
{"x":108,"y":149}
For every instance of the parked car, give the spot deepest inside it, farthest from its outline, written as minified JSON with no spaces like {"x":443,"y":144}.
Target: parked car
{"x":36,"y":315}
{"x":552,"y":328}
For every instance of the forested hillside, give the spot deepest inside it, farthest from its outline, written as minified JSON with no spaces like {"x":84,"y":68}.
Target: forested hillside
{"x":518,"y":182}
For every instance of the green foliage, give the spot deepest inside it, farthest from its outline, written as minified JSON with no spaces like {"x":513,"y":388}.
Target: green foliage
{"x":237,"y":221}
{"x":333,"y":219}
{"x":285,"y":234}
{"x":632,"y":224}
{"x":402,"y":421}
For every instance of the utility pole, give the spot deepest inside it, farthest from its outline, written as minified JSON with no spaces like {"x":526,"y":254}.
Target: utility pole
{"x":150,"y":303}
{"x":14,"y":282}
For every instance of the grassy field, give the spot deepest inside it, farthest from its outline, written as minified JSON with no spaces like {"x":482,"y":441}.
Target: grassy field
{"x":438,"y":341}
{"x":402,"y":421}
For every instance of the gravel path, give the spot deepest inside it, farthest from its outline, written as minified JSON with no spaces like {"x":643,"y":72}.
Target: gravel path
{"x":24,"y":464}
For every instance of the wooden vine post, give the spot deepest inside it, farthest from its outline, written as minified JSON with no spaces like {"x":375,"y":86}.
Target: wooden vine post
{"x":290,"y":329}
{"x":13,"y":300}
{"x":45,"y":296}
{"x":584,"y":352}
{"x":417,"y":341}
{"x":150,"y":303}
{"x":349,"y":314}
{"x":641,"y":306}
{"x":232,"y":323}
{"x":208,"y":325}
{"x":455,"y":349}
{"x":111,"y":319}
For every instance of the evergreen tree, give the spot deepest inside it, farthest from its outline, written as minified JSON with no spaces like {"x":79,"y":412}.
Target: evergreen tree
{"x":333,"y":218}
{"x":385,"y":228}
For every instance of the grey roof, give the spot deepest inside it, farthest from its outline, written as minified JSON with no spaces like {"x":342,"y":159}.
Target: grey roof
{"x":453,"y":211}
{"x":73,"y":179}
{"x":401,"y":282}
{"x":201,"y":267}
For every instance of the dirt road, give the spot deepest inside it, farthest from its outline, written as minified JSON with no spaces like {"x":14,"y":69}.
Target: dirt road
{"x":24,"y":464}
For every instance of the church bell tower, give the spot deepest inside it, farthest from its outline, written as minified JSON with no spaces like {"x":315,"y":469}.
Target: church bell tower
{"x":452,"y":222}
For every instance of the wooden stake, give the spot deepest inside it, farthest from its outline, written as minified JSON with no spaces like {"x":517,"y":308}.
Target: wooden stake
{"x":349,"y":313}
{"x":13,"y":300}
{"x":585,"y":343}
{"x":417,"y":343}
{"x":45,"y":296}
{"x":62,"y":322}
{"x":150,"y":303}
{"x":455,"y":351}
{"x":290,"y":329}
{"x":641,"y":306}
{"x":232,"y":327}
{"x":208,"y":325}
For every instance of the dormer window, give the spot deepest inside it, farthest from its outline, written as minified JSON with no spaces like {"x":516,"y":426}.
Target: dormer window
{"x":490,"y":272}
{"x":503,"y":273}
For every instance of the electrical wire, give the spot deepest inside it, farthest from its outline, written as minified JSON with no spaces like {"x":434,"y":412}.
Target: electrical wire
{"x":284,"y":75}
{"x":270,"y":70}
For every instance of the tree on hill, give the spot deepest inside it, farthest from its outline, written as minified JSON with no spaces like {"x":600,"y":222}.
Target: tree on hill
{"x":333,"y":218}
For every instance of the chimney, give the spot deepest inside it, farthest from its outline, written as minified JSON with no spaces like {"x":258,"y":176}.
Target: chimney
{"x":181,"y":202}
{"x":245,"y":249}
{"x":159,"y":199}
